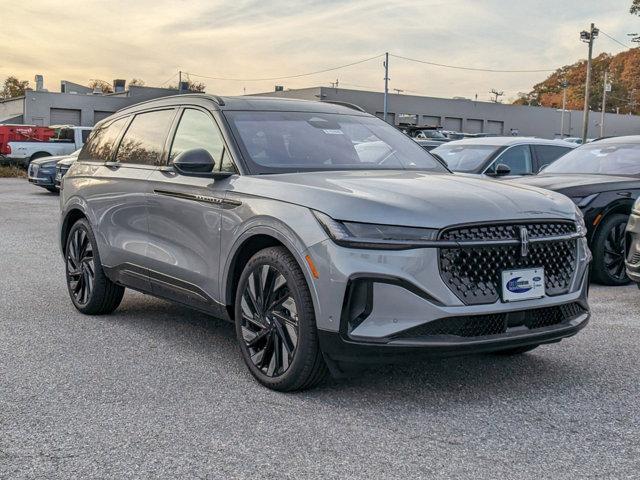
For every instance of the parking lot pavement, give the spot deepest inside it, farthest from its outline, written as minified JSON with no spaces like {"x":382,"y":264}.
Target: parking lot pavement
{"x":157,"y":390}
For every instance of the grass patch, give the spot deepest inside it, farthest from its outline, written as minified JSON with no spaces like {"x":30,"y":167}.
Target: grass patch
{"x":11,"y":171}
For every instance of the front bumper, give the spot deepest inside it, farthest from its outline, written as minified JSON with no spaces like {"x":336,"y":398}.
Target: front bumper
{"x":41,"y":177}
{"x":632,"y":260}
{"x":407,"y":294}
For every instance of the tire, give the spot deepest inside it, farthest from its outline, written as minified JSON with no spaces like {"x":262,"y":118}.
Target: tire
{"x":276,"y":330}
{"x":91,"y":294}
{"x":52,"y":189}
{"x":609,"y":250}
{"x":515,"y":351}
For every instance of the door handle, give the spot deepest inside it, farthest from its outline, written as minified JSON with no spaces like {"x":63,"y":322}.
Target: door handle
{"x":112,"y":165}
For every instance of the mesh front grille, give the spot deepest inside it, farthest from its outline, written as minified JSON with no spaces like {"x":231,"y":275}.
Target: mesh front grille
{"x":474,"y":274}
{"x":495,"y":324}
{"x":508,"y":231}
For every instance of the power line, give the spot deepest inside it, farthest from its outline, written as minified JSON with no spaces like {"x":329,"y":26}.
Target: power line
{"x":473,"y":68}
{"x":614,"y":39}
{"x":169,"y":79}
{"x":287,"y":76}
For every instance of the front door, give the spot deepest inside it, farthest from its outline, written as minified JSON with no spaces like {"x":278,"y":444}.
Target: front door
{"x":185,"y":218}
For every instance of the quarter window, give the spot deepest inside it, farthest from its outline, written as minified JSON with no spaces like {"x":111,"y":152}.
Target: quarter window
{"x":144,"y":140}
{"x":197,"y":130}
{"x":102,"y":143}
{"x":517,"y":158}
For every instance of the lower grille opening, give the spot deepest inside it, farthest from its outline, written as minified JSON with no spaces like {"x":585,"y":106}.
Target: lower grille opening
{"x":496,"y":323}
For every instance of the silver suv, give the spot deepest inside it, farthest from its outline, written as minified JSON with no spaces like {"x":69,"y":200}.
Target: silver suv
{"x":323,"y":233}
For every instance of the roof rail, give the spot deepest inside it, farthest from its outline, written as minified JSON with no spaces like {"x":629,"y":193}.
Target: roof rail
{"x":218,"y":100}
{"x":352,"y":106}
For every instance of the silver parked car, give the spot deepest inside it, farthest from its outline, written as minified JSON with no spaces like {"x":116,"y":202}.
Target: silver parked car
{"x":502,"y":156}
{"x":324,"y":233}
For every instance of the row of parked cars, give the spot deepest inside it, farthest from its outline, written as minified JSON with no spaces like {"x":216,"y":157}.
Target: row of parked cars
{"x":328,"y":237}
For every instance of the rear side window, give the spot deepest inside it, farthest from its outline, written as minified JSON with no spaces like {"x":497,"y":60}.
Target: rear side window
{"x":85,"y":135}
{"x":102,"y":143}
{"x":144,"y":140}
{"x":549,"y":153}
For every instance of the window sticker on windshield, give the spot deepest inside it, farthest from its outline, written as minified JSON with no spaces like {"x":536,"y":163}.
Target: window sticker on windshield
{"x":333,"y":132}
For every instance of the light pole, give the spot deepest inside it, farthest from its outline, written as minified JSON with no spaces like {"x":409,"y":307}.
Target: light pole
{"x":587,"y":37}
{"x":605,"y":89}
{"x":564,"y":85}
{"x":386,"y":84}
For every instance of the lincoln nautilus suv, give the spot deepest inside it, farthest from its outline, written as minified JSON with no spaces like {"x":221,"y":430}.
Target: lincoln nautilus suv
{"x":323,"y":233}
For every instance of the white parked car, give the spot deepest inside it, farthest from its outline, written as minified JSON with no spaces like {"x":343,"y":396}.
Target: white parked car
{"x":66,"y":140}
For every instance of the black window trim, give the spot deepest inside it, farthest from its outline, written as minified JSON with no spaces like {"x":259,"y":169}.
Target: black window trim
{"x":95,"y":131}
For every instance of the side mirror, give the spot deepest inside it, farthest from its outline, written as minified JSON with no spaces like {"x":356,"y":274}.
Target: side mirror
{"x":196,"y":162}
{"x":502,"y":170}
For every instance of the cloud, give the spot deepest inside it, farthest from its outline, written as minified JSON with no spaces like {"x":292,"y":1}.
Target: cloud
{"x":152,"y":39}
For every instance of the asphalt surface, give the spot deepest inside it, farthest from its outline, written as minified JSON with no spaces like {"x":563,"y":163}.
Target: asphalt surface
{"x":159,"y":391}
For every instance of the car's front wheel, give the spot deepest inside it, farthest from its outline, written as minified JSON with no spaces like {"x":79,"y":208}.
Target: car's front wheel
{"x":275,"y":323}
{"x":89,"y":288}
{"x":609,"y":250}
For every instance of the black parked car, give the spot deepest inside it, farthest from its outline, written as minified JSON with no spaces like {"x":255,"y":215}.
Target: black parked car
{"x":603,"y":179}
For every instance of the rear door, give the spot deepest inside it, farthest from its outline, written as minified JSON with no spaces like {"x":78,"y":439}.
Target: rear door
{"x":120,"y":191}
{"x":185,"y":216}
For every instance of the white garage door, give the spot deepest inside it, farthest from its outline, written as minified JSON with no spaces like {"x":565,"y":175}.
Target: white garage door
{"x":452,"y":123}
{"x":100,"y":115}
{"x":495,"y":126}
{"x":474,"y":125}
{"x":65,"y":116}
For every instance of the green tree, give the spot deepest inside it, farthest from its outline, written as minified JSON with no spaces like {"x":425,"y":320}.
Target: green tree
{"x":12,"y":87}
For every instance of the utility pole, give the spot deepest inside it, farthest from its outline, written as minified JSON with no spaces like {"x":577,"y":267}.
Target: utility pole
{"x":386,"y":85}
{"x":606,"y":88}
{"x":398,"y":91}
{"x":587,"y":37}
{"x":564,"y":85}
{"x":497,"y":94}
{"x":179,"y":81}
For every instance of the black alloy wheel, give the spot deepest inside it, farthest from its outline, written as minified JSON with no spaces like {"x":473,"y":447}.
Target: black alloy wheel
{"x":90,"y":290}
{"x":269,"y":320}
{"x":276,"y":324}
{"x":614,"y":252}
{"x":81,"y":267}
{"x":609,"y":248}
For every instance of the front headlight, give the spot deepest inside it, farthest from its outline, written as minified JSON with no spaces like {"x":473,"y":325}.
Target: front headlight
{"x":584,"y":201}
{"x":369,"y":235}
{"x":582,"y":227}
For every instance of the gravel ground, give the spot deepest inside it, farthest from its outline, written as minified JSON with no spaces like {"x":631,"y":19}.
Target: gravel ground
{"x":159,"y":391}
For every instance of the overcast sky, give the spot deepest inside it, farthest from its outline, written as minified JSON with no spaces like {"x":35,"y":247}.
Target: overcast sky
{"x":152,"y":39}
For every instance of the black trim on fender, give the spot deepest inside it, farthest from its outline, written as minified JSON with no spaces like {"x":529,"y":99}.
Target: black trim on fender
{"x":199,"y":198}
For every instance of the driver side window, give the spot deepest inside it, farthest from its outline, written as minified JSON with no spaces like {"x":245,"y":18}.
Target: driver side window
{"x":198,"y":130}
{"x":517,"y":158}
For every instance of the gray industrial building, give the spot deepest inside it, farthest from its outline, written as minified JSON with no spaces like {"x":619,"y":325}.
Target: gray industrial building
{"x":74,"y":105}
{"x":463,"y":115}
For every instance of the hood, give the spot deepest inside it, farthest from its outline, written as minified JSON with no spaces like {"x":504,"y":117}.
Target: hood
{"x":43,"y":160}
{"x":407,"y":198}
{"x":579,"y":184}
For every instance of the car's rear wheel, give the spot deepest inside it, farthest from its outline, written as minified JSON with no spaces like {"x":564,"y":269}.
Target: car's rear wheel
{"x":275,"y":323}
{"x":90,"y":290}
{"x":609,"y":250}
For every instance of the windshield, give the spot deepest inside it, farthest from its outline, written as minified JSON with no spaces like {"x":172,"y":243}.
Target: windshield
{"x":281,"y":142}
{"x":611,"y":159}
{"x":465,"y":158}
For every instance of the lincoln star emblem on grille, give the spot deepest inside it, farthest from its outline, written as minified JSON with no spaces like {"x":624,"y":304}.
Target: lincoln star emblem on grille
{"x":524,"y":242}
